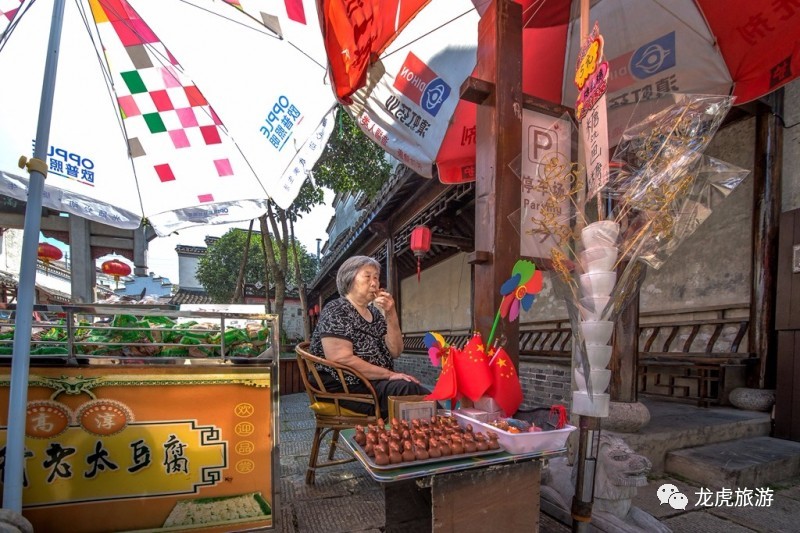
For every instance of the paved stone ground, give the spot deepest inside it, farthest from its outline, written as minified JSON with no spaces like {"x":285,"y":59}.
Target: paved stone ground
{"x":345,"y":499}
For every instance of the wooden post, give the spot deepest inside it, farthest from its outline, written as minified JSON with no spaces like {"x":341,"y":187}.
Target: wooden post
{"x":392,"y":282}
{"x":624,"y":377}
{"x":766,"y":219}
{"x":497,"y":188}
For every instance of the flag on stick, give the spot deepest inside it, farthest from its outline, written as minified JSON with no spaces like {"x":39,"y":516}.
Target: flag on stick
{"x":446,"y":387}
{"x":505,"y":389}
{"x":472,"y":369}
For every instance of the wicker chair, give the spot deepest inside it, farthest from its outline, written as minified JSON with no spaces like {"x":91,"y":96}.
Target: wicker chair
{"x":331,"y":417}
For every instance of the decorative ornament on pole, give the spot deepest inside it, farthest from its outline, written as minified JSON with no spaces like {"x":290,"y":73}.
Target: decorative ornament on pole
{"x":116,"y":268}
{"x":47,"y":252}
{"x":420,"y":244}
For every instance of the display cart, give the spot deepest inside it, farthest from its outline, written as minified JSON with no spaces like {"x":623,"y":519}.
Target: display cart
{"x":493,"y":490}
{"x":145,"y":418}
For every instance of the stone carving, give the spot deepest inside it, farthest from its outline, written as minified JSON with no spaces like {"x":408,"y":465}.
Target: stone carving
{"x":620,"y":472}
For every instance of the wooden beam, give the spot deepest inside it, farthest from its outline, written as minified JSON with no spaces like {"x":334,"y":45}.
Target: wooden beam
{"x":762,"y":338}
{"x":499,"y":141}
{"x":464,"y":244}
{"x":477,"y":91}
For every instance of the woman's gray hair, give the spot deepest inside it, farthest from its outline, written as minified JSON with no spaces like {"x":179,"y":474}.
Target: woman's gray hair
{"x":347,"y":272}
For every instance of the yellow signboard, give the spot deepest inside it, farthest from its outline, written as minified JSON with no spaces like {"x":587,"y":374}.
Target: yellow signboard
{"x":146,"y":447}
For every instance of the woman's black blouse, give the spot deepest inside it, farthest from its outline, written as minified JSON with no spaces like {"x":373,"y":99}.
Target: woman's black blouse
{"x":341,"y":320}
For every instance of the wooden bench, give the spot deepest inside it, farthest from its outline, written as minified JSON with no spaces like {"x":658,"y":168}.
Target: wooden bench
{"x":697,"y":360}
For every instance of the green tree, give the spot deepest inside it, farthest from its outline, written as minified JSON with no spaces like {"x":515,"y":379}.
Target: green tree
{"x":218,"y":270}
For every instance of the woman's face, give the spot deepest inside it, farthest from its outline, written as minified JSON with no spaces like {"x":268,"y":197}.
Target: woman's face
{"x":366,"y":284}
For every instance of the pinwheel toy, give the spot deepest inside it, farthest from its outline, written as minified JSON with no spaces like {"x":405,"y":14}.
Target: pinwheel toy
{"x":436,"y":345}
{"x":518,"y":291}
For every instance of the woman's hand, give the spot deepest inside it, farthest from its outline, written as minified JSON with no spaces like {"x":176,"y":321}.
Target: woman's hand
{"x":384,"y":301}
{"x":405,"y":377}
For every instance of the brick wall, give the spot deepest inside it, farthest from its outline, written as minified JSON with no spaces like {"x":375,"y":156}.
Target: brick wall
{"x":544,"y":382}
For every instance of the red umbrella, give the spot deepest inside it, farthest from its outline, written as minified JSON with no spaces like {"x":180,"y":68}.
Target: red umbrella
{"x":739,"y":47}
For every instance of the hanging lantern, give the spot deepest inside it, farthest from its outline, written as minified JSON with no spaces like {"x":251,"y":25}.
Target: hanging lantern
{"x":420,"y":244}
{"x":316,"y":310}
{"x":116,"y":268}
{"x":47,"y":252}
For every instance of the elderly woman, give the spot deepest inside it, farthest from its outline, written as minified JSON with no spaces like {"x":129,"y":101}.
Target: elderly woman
{"x":361,"y":330}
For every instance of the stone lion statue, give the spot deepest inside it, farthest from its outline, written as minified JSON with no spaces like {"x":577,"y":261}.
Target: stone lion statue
{"x":619,"y":473}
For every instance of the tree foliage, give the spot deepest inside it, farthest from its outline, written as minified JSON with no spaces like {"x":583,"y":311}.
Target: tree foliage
{"x":218,"y":269}
{"x":351,"y":161}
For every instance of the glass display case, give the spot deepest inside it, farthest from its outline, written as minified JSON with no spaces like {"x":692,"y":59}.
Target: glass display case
{"x":149,"y":417}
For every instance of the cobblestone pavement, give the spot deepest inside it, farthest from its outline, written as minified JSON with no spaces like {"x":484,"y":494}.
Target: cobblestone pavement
{"x":345,"y":499}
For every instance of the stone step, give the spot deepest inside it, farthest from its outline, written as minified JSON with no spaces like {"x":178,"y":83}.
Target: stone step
{"x":752,"y":463}
{"x":675,"y":426}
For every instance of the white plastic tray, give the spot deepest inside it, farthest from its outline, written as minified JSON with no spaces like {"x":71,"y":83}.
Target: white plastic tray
{"x":540,"y":441}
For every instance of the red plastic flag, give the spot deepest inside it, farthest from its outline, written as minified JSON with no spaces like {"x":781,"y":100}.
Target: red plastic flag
{"x":472,"y":369}
{"x":506,"y":389}
{"x":446,"y":387}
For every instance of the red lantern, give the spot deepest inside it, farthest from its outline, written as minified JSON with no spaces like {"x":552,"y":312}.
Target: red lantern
{"x":420,"y":244}
{"x":316,"y":310}
{"x":115,"y":268}
{"x":47,"y":252}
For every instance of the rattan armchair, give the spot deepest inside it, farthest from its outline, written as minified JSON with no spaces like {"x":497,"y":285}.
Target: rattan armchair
{"x":331,"y":416}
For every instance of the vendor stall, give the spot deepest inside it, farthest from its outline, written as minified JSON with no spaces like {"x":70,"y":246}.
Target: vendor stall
{"x":146,"y":418}
{"x":466,"y":477}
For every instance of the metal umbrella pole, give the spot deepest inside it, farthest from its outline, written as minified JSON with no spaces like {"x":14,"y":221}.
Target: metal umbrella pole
{"x":20,"y":360}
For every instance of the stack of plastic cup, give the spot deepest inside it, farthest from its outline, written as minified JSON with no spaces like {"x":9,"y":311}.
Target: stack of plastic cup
{"x":597,"y":259}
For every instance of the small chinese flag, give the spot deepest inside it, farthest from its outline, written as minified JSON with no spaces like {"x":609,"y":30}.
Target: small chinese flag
{"x":472,"y":369}
{"x":446,"y":387}
{"x":505,"y":389}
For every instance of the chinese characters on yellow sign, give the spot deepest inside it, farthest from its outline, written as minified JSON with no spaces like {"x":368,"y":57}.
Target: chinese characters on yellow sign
{"x":191,"y":445}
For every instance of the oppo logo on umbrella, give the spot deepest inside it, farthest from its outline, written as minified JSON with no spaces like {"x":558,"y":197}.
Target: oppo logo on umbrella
{"x":421,"y":85}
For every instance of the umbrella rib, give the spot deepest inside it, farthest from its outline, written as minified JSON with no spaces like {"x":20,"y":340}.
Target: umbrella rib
{"x":439,"y":27}
{"x":537,"y":5}
{"x":112,"y":96}
{"x":713,"y":41}
{"x":10,"y":29}
{"x":268,"y":33}
{"x":105,"y":71}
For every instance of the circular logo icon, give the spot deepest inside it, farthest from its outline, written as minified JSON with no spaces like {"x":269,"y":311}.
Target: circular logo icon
{"x":245,"y":447}
{"x":244,"y":410}
{"x":244,"y":429}
{"x":245,"y":466}
{"x":45,"y":419}
{"x":104,"y":417}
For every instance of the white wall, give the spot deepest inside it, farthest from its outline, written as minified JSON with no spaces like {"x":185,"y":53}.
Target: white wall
{"x":442,"y":299}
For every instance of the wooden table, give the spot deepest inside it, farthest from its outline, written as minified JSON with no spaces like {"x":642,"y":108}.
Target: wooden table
{"x":495,"y":492}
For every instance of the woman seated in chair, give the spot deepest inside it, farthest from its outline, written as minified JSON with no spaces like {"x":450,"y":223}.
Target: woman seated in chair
{"x":362,"y":330}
